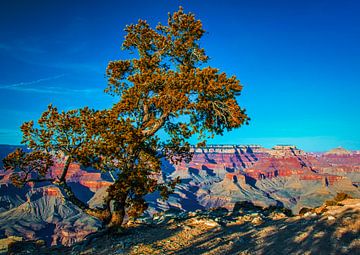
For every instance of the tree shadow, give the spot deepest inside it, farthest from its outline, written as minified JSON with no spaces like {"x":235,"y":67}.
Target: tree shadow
{"x":125,"y":239}
{"x":313,"y":236}
{"x":284,"y":236}
{"x":217,"y":238}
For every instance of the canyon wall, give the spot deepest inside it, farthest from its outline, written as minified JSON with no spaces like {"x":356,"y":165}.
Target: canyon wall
{"x":217,"y":176}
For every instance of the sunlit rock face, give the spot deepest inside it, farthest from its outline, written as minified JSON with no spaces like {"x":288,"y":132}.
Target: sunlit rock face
{"x":217,"y":176}
{"x":284,"y":175}
{"x":90,"y":179}
{"x":47,"y":215}
{"x":41,"y":211}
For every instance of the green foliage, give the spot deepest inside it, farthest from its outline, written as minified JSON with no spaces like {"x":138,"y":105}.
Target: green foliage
{"x":32,"y":166}
{"x":163,"y":88}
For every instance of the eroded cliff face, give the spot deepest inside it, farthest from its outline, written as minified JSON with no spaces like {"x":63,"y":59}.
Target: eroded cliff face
{"x":284,"y":175}
{"x":217,"y":176}
{"x":45,"y":214}
{"x":41,"y":211}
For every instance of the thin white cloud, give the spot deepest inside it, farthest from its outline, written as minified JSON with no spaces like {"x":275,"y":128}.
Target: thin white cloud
{"x":26,"y":83}
{"x":57,"y":90}
{"x":33,"y":87}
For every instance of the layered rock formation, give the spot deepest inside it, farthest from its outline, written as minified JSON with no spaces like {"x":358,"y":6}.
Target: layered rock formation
{"x":338,"y":151}
{"x":47,"y":215}
{"x":284,"y":175}
{"x":217,"y":176}
{"x":41,"y":211}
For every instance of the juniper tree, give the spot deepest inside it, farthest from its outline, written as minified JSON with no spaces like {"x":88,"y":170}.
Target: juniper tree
{"x":166,"y":88}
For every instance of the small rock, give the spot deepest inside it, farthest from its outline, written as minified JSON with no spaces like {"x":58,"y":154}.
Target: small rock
{"x":187,"y":227}
{"x":348,"y":219}
{"x":169,"y":215}
{"x":239,"y":221}
{"x":257,"y":221}
{"x":207,"y":222}
{"x":307,"y":214}
{"x":192,"y":214}
{"x":321,"y":209}
{"x":310,"y":214}
{"x":277,"y":215}
{"x":88,"y":251}
{"x":247,"y":218}
{"x":211,"y":223}
{"x":331,"y":217}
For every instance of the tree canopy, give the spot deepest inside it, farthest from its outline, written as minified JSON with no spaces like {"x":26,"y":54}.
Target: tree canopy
{"x":164,"y":87}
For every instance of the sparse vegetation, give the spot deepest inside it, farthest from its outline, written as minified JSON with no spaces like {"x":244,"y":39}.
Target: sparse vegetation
{"x":341,"y":196}
{"x":330,"y":203}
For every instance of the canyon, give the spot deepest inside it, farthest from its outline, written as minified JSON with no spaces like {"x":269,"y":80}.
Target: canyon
{"x":221,"y":175}
{"x":217,"y":176}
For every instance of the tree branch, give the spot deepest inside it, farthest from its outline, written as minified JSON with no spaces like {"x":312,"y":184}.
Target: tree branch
{"x":65,"y":169}
{"x":103,"y":214}
{"x":159,"y":123}
{"x":40,"y":180}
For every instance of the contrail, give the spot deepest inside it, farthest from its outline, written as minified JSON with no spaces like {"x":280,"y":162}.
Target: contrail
{"x":18,"y":84}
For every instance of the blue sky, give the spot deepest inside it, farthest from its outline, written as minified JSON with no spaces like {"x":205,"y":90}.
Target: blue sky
{"x":299,"y":62}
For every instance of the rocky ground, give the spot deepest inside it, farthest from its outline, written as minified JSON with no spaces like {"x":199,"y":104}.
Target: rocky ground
{"x":330,"y":229}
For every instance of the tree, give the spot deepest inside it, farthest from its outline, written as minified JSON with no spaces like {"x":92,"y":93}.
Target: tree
{"x":163,"y":88}
{"x":67,"y":135}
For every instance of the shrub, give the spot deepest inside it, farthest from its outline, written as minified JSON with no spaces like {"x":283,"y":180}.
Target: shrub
{"x":341,"y":196}
{"x":330,"y":203}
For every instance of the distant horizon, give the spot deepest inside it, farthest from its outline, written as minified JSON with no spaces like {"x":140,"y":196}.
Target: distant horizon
{"x":246,"y":145}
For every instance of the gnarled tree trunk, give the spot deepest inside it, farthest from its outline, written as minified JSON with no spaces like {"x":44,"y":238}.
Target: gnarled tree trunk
{"x":117,"y":214}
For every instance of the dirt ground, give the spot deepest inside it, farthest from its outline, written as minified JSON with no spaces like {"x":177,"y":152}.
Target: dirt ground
{"x":336,"y":231}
